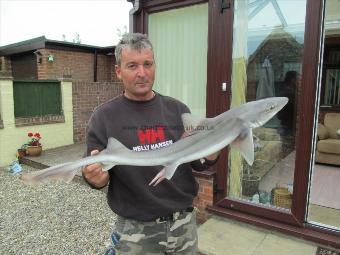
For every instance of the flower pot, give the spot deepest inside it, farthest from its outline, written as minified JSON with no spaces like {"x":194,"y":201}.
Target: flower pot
{"x":21,"y":153}
{"x":250,"y":185}
{"x":34,"y":150}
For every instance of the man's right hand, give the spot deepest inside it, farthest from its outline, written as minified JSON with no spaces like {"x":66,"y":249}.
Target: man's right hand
{"x":94,"y":173}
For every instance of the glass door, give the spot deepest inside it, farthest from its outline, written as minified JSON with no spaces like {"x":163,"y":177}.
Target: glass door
{"x":267,"y":54}
{"x":324,"y":202}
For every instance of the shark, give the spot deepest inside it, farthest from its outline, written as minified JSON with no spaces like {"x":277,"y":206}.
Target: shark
{"x":203,"y":137}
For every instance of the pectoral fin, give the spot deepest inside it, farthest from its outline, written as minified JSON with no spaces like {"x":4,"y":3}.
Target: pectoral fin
{"x":246,"y":147}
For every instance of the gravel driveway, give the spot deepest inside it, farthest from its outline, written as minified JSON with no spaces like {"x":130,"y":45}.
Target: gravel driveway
{"x":54,"y":218}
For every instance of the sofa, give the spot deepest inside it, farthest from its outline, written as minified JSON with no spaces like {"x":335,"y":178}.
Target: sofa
{"x":328,"y":144}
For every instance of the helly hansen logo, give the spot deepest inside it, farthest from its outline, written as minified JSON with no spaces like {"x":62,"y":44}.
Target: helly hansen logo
{"x":151,"y":135}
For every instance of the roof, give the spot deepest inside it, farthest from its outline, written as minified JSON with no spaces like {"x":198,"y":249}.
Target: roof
{"x":277,"y":34}
{"x":42,"y":42}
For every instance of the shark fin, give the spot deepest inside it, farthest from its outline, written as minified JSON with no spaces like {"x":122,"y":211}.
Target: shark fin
{"x":246,"y":147}
{"x":166,"y":173}
{"x":113,"y":145}
{"x":192,"y":124}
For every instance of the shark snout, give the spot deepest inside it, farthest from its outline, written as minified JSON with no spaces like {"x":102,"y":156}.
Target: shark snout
{"x":282,"y":101}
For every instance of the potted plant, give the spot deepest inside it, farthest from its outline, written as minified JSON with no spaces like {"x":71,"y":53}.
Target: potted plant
{"x":21,"y":152}
{"x":33,"y":147}
{"x":250,"y":181}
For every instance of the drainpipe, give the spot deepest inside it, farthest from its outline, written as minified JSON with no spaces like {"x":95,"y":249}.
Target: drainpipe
{"x":95,"y":66}
{"x":136,"y":8}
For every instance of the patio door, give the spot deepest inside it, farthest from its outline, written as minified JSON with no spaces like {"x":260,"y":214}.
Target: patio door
{"x":324,"y":202}
{"x":267,"y":57}
{"x":267,"y":60}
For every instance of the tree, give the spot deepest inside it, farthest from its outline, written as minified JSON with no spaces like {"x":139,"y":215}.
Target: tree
{"x":121,"y":31}
{"x":77,"y":39}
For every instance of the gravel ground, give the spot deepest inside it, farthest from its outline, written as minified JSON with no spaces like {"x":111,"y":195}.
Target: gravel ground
{"x":53,"y":218}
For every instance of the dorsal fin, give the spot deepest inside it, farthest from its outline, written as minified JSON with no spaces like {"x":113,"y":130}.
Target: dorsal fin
{"x":113,"y":145}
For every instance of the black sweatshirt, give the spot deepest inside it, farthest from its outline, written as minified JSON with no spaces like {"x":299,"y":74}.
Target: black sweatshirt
{"x":143,"y":125}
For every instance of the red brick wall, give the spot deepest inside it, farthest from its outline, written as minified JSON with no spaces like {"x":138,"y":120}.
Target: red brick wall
{"x":5,"y":67}
{"x":204,"y":197}
{"x":86,"y":97}
{"x":105,"y":68}
{"x":78,"y":65}
{"x":24,"y":66}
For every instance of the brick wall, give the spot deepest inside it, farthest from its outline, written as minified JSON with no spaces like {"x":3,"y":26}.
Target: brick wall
{"x":78,"y":65}
{"x":105,"y":68}
{"x":24,"y":66}
{"x":5,"y":67}
{"x":86,"y":97}
{"x":204,"y":197}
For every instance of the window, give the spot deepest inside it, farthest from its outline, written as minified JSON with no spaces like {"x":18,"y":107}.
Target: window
{"x":331,"y":91}
{"x":36,"y":98}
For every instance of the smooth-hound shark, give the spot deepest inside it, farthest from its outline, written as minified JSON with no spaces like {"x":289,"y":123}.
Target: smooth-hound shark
{"x":205,"y":137}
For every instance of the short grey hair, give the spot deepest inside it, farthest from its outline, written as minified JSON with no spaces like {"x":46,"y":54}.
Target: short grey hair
{"x":135,"y":41}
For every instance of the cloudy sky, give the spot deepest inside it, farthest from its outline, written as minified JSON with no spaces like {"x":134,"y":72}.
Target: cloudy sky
{"x":96,"y":21}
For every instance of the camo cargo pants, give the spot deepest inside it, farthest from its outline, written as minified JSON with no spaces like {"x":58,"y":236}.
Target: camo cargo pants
{"x":174,"y":236}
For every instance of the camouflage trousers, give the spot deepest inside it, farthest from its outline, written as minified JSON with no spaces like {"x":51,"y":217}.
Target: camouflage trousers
{"x":172,"y":236}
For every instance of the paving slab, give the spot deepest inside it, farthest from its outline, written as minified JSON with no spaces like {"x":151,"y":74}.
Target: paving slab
{"x":222,"y":236}
{"x":284,"y":245}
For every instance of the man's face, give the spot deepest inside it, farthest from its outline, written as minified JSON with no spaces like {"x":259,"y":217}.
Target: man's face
{"x":137,"y":71}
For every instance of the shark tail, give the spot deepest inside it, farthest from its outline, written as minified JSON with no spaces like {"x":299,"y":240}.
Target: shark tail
{"x":67,"y":171}
{"x":64,"y":172}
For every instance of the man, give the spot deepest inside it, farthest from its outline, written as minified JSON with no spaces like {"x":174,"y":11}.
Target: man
{"x":151,"y":219}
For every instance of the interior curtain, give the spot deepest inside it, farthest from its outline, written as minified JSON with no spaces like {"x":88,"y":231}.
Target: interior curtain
{"x":180,"y":40}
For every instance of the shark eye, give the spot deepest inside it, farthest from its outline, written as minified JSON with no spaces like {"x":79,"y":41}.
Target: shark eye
{"x":270,"y":107}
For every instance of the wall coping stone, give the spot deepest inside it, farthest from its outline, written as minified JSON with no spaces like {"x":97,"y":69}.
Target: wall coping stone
{"x":208,"y":174}
{"x":66,"y":79}
{"x":40,"y":120}
{"x":6,"y":77}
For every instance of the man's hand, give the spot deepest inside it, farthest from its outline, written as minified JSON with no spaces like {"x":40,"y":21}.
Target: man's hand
{"x":213,"y":157}
{"x":94,"y":173}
